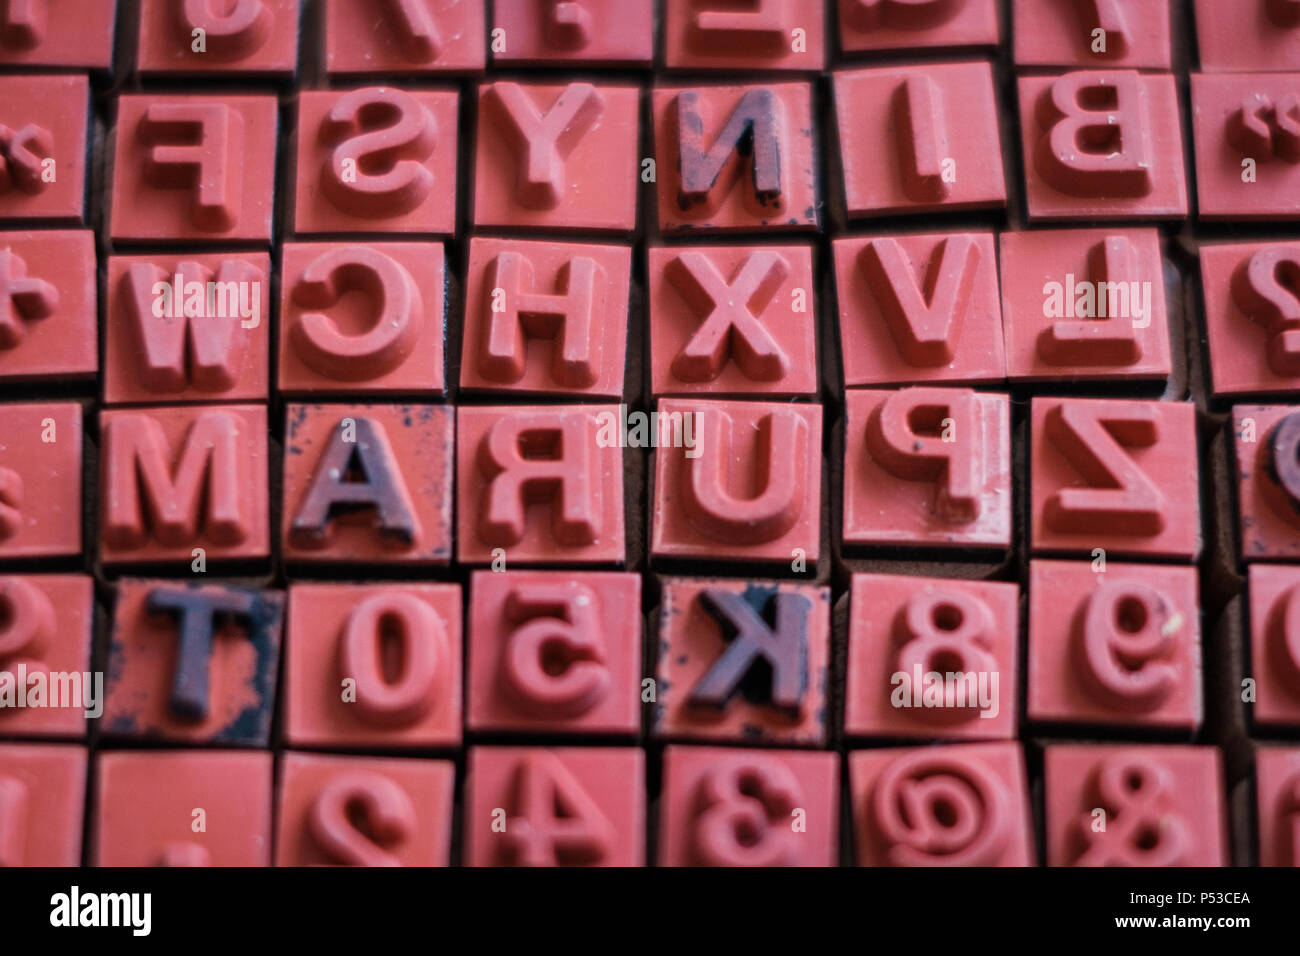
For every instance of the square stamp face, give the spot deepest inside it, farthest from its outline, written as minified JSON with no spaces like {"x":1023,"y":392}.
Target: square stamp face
{"x":1098,"y":35}
{"x":539,"y":148}
{"x":149,"y":805}
{"x":373,"y":665}
{"x":927,"y":467}
{"x":213,"y":39}
{"x":40,"y":480}
{"x":1274,"y":620}
{"x":886,"y":27}
{"x":919,"y":139}
{"x":724,"y":806}
{"x":743,"y":483}
{"x":1251,"y":293}
{"x":1084,"y":304}
{"x":43,"y":147}
{"x":48,"y":296}
{"x":771,"y":35}
{"x":735,"y":158}
{"x":555,"y":652}
{"x":546,"y":318}
{"x":1277,"y":780}
{"x":976,"y":793}
{"x":47,"y":688}
{"x":45,"y":791}
{"x":81,"y":35}
{"x":1114,"y":474}
{"x":1162,"y":806}
{"x":194,"y":168}
{"x":1259,"y":36}
{"x":378,"y":159}
{"x":195,"y":663}
{"x":188,"y":328}
{"x":539,"y":484}
{"x":743,"y":662}
{"x":405,"y":818}
{"x":1266,"y":439}
{"x":413,"y":37}
{"x":555,"y":806}
{"x":589,"y":33}
{"x":732,"y":320}
{"x":362,"y":319}
{"x":1119,"y":647}
{"x":1102,"y":145}
{"x":174,"y":479}
{"x":932,"y":658}
{"x":919,"y":308}
{"x":1247,"y":156}
{"x":369,"y":483}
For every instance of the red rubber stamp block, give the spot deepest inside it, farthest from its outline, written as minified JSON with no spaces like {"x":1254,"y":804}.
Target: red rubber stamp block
{"x":188,"y":328}
{"x":1267,"y":443}
{"x":376,"y":160}
{"x":545,"y":318}
{"x":1252,"y":316}
{"x":1092,"y":33}
{"x":1114,"y":474}
{"x":1246,"y":130}
{"x":1114,"y":645}
{"x":539,"y":484}
{"x":194,"y":168}
{"x":1235,"y":36}
{"x":44,"y":128}
{"x":1277,"y":788}
{"x":915,"y":309}
{"x":743,"y":662}
{"x":201,"y":37}
{"x":48,"y":306}
{"x":743,"y":807}
{"x":1275,"y":645}
{"x":179,"y":484}
{"x":40,"y":480}
{"x":743,"y":484}
{"x":1084,"y":304}
{"x":567,"y":33}
{"x":46,"y":686}
{"x":542,"y":148}
{"x":193,"y":663}
{"x":737,"y":158}
{"x":42,"y":803}
{"x":1102,"y":145}
{"x":732,"y":320}
{"x":753,"y":35}
{"x":80,"y":34}
{"x":927,"y":467}
{"x":1134,"y":806}
{"x":364,"y":811}
{"x":555,"y":652}
{"x":932,"y":658}
{"x":411,"y":37}
{"x":184,"y":808}
{"x":561,"y":806}
{"x":373,"y":665}
{"x":367,"y":483}
{"x":870,"y":26}
{"x":363,"y":319}
{"x":937,"y":128}
{"x":955,"y":805}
